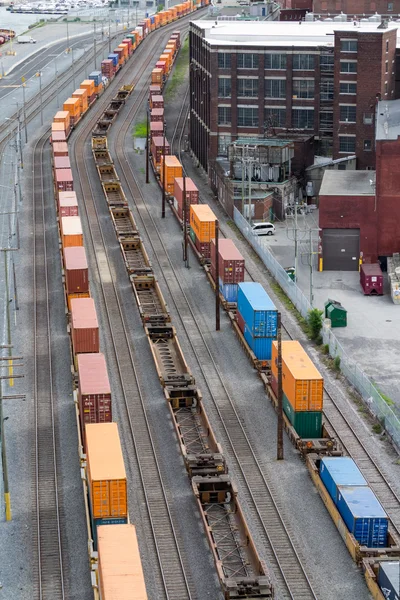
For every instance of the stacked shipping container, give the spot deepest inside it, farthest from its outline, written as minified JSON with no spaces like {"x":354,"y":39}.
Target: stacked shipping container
{"x":202,"y":228}
{"x":231,"y":268}
{"x":257,"y":318}
{"x":192,"y":195}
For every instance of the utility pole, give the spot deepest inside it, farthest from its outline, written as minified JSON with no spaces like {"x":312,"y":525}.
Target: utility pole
{"x":311,"y":269}
{"x":250,"y":172}
{"x":73,"y":67}
{"x":163,"y":175}
{"x":147,"y":145}
{"x":94,"y":42}
{"x":243,"y":175}
{"x":295,"y":241}
{"x":185,"y":221}
{"x":39,"y":74}
{"x":68,"y":48}
{"x":279,"y":441}
{"x":217,"y":299}
{"x":109,"y":33}
{"x":24,"y":108}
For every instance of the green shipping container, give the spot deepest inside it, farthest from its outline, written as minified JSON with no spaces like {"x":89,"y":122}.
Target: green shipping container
{"x":308,"y":424}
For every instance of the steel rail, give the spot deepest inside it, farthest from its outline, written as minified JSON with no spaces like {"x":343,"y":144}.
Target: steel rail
{"x":48,"y":526}
{"x":333,"y":413}
{"x":170,"y":560}
{"x":293,"y":581}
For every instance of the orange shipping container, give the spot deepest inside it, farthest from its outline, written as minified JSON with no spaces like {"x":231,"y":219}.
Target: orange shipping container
{"x":88,"y":84}
{"x":71,"y":232}
{"x":202,"y":221}
{"x":302,"y":383}
{"x":168,"y":59}
{"x":63,"y":116}
{"x":173,"y":168}
{"x":120,"y":568}
{"x":125,"y":49}
{"x":82,"y":96}
{"x":72,"y":105}
{"x":106,"y":471}
{"x":157,"y":76}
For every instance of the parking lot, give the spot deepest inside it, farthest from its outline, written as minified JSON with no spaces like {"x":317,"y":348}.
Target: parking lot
{"x":372,"y":335}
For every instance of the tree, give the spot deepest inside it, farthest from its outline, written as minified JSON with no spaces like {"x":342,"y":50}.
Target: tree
{"x":314,"y":323}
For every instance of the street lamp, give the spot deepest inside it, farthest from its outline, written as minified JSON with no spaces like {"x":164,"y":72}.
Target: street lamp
{"x":39,"y":74}
{"x":55,"y":56}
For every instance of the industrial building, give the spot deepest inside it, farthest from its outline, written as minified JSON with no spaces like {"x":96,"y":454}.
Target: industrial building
{"x":260,"y":79}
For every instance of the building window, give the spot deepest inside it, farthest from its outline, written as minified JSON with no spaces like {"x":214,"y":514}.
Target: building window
{"x":341,"y":166}
{"x":348,"y":45}
{"x":348,"y":67}
{"x":367,"y":145}
{"x":327,"y":63}
{"x":387,"y":45}
{"x":224,"y":60}
{"x":390,"y":6}
{"x":223,"y":144}
{"x":275,"y":117}
{"x":386,"y":67}
{"x":303,"y":88}
{"x":326,"y":120}
{"x":224,"y":115}
{"x":275,"y":88}
{"x":247,"y":88}
{"x":247,"y":61}
{"x":348,"y":88}
{"x":347,"y":114}
{"x":368,"y":119}
{"x":248,"y":116}
{"x":275,"y":62}
{"x":327,"y":90}
{"x":224,"y":87}
{"x":303,"y":62}
{"x":303,"y":118}
{"x":347,"y":143}
{"x":386,"y":88}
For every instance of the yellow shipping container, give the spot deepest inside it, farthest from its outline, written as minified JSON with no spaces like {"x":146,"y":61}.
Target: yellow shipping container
{"x":106,"y":471}
{"x":73,"y":106}
{"x":302,"y":383}
{"x":173,"y":168}
{"x":88,"y":84}
{"x":202,"y":221}
{"x":120,"y":568}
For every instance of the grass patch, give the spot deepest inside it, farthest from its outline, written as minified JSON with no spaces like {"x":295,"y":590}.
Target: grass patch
{"x":377,"y":428}
{"x":386,"y":398}
{"x":140,"y":129}
{"x":178,"y":76}
{"x":336,"y":363}
{"x":325,"y":349}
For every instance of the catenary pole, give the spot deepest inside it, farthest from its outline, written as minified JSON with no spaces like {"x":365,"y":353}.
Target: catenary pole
{"x":279,"y":440}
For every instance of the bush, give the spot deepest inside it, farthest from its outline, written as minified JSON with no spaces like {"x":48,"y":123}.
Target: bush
{"x":314,"y":322}
{"x":336,"y":363}
{"x":325,"y":349}
{"x":377,"y":428}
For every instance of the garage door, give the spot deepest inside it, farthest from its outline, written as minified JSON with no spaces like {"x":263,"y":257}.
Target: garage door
{"x":341,"y":249}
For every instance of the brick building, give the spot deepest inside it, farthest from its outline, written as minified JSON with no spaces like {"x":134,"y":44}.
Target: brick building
{"x":258,"y":79}
{"x":359,"y":8}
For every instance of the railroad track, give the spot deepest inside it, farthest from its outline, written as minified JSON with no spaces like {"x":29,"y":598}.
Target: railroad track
{"x":289,"y":574}
{"x":173,"y":580}
{"x":333,"y":412}
{"x":50,"y":575}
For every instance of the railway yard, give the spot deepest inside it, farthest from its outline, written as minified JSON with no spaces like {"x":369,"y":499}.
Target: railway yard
{"x":179,"y":420}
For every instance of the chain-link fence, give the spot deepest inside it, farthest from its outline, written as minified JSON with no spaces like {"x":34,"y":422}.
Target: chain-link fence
{"x":351,"y":370}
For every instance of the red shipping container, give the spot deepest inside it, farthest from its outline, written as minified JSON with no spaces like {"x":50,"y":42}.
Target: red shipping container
{"x":58,"y":136}
{"x":156,"y":101}
{"x":67,"y":204}
{"x":62,"y":162}
{"x":231,"y":262}
{"x":60,"y":149}
{"x":157,"y":150}
{"x":155,"y":90}
{"x":84,"y":326}
{"x":371,"y":280}
{"x":64,"y":180}
{"x":240,"y":321}
{"x":157,"y":114}
{"x":203,"y":247}
{"x":76,"y":270}
{"x":192,"y":195}
{"x":129,"y":42}
{"x":161,"y":64}
{"x":94,"y":392}
{"x":156,"y":129}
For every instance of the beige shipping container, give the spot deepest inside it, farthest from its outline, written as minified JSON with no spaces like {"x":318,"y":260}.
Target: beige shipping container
{"x":63,"y":116}
{"x":120,"y":568}
{"x":71,"y":232}
{"x":302,"y":383}
{"x":106,"y":471}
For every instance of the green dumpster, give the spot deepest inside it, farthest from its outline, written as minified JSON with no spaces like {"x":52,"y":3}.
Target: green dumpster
{"x":336,"y":313}
{"x":291,"y":273}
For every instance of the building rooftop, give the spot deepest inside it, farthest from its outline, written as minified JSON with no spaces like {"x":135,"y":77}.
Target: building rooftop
{"x":283,"y":33}
{"x":348,"y":183}
{"x":388,"y":120}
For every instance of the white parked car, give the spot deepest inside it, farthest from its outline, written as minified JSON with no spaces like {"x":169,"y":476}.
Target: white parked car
{"x":263,"y":229}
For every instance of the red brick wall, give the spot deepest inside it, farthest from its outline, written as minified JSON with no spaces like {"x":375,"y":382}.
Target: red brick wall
{"x":388,"y":194}
{"x":352,"y":212}
{"x":354,"y":7}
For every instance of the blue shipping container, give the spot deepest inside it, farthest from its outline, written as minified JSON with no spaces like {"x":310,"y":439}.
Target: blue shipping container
{"x":339,"y":471}
{"x":258,"y":310}
{"x":363,"y":515}
{"x":389,"y":579}
{"x":261,"y":346}
{"x":96,"y":76}
{"x":228,"y":290}
{"x":152,"y":19}
{"x":114,"y":58}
